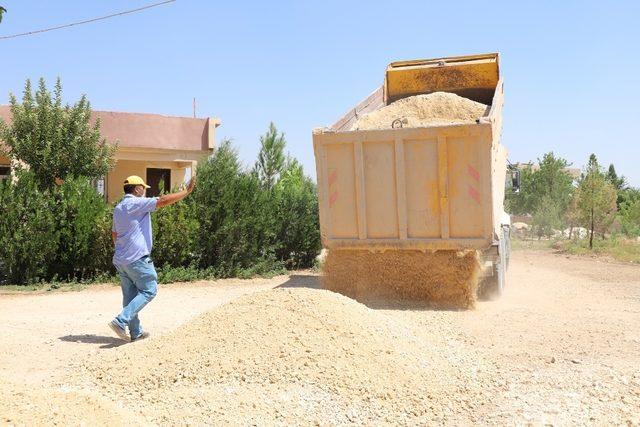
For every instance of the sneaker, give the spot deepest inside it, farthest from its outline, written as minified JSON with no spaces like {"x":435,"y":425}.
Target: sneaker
{"x":120,"y":332}
{"x":141,"y":336}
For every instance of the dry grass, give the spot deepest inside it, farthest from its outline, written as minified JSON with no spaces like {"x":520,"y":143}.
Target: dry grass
{"x":442,"y":279}
{"x":617,"y":248}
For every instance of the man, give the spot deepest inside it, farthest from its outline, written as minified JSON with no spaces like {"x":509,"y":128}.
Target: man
{"x":132,"y":238}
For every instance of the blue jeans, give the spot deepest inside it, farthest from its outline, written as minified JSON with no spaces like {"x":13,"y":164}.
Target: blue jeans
{"x":139,"y":282}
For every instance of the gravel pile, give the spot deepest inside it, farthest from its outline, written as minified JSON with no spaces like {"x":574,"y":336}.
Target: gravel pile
{"x":434,"y":109}
{"x":28,"y":406}
{"x":285,"y":355}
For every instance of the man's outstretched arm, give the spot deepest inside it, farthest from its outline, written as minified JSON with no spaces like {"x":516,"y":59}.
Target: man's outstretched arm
{"x":170,"y":199}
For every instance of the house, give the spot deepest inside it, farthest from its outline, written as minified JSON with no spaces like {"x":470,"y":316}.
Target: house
{"x":574,"y":173}
{"x":158,"y":148}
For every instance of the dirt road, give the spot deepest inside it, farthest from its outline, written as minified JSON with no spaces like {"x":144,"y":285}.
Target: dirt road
{"x":562,"y":346}
{"x":42,"y":332}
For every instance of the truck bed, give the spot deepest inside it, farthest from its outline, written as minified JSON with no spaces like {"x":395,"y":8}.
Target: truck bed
{"x":424,"y":188}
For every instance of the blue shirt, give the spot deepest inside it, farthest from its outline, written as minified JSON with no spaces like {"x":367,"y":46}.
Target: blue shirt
{"x":132,"y":223}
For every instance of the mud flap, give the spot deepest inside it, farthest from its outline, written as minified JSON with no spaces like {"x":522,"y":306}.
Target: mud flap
{"x":492,"y":285}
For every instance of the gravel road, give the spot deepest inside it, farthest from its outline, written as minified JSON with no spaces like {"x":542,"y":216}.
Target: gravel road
{"x":562,"y":346}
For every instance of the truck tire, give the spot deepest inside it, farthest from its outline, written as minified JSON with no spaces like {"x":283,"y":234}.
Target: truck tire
{"x":491,"y":287}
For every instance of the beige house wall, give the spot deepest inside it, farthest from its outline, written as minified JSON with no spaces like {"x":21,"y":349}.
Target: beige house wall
{"x":149,"y":141}
{"x":126,"y":168}
{"x":136,"y":162}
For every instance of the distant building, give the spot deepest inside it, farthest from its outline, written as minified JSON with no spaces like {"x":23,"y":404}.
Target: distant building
{"x":157,"y":148}
{"x":573,"y":172}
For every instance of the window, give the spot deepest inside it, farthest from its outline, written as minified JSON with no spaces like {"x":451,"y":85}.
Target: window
{"x":5,"y":172}
{"x":159,"y":180}
{"x":98,"y":184}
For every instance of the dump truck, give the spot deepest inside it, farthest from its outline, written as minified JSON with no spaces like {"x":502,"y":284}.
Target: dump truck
{"x":420,"y":190}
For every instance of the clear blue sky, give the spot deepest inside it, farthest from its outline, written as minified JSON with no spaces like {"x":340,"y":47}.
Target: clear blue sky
{"x":571,"y":68}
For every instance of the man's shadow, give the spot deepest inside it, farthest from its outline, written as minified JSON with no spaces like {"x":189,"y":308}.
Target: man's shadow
{"x":108,"y":342}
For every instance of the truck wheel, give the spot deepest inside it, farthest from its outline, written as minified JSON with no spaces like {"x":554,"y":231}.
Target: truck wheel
{"x":491,"y":287}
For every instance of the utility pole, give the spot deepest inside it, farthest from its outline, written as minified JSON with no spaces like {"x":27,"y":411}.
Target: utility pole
{"x":194,"y":107}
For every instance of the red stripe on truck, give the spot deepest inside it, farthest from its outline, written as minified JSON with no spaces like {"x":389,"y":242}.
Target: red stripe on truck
{"x":473,"y":172}
{"x":333,"y":198}
{"x":475,"y":195}
{"x":333,"y":177}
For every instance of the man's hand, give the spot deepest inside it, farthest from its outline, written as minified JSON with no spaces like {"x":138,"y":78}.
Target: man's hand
{"x":191,"y":185}
{"x":170,"y":199}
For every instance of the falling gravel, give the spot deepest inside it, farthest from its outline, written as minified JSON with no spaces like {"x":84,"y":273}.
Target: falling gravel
{"x":442,"y":279}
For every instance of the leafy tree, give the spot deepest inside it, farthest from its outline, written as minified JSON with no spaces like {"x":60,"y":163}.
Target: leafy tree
{"x":596,"y":200}
{"x":54,"y":231}
{"x":553,"y":180}
{"x":524,"y":201}
{"x":55,"y":141}
{"x":2,"y":12}
{"x":271,"y":159}
{"x":572,"y":215}
{"x":618,"y":182}
{"x":547,"y":218}
{"x":630,"y":211}
{"x":550,"y":181}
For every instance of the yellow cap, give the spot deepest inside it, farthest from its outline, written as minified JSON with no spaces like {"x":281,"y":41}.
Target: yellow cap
{"x":135,"y":180}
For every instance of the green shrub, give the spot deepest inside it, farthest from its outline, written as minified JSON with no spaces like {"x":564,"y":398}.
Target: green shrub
{"x":233,"y":225}
{"x":236,"y":228}
{"x":175,"y":228}
{"x":63,"y":233}
{"x":28,"y":236}
{"x":262,"y":268}
{"x":102,"y":246}
{"x":296,"y":211}
{"x":83,"y":224}
{"x":630,"y":217}
{"x":248,"y":227}
{"x":168,"y":274}
{"x":547,"y":217}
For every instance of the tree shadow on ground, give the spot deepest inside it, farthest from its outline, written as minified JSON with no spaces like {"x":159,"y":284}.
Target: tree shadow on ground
{"x":108,"y":342}
{"x":311,"y":281}
{"x":302,"y":281}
